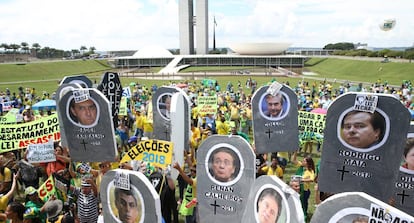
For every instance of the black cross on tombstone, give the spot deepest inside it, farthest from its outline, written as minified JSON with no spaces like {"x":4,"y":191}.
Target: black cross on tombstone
{"x":84,"y":144}
{"x":403,"y":195}
{"x":215,"y":205}
{"x":343,"y":171}
{"x":269,"y":132}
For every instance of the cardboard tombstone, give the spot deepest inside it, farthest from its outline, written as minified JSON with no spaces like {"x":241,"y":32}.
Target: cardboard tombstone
{"x":275,"y":119}
{"x":363,"y":143}
{"x":352,"y":206}
{"x":111,"y":87}
{"x":180,"y":128}
{"x":63,"y":89}
{"x":161,"y":102}
{"x":82,"y":80}
{"x":282,"y":199}
{"x":87,"y":123}
{"x":225,"y":171}
{"x":404,"y":186}
{"x":134,"y":187}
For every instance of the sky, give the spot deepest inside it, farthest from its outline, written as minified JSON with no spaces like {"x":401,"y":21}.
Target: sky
{"x":111,"y":25}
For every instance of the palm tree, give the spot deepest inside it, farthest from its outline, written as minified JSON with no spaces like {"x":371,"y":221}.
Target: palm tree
{"x":92,"y":49}
{"x":82,"y":49}
{"x":36,"y":47}
{"x":25,"y":47}
{"x":5,"y":46}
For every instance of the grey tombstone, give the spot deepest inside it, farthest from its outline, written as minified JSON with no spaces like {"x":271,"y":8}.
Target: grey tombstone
{"x":219,"y":200}
{"x":148,"y":200}
{"x":289,"y":205}
{"x":111,"y":87}
{"x":372,"y":169}
{"x":82,"y":80}
{"x":274,"y":134}
{"x":91,"y":142}
{"x":347,"y":207}
{"x":161,"y":112}
{"x":180,"y":128}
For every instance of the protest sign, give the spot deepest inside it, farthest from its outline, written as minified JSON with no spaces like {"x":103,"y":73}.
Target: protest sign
{"x":12,"y":117}
{"x":363,"y":144}
{"x":47,"y":189}
{"x":6,"y":105}
{"x":275,"y":119}
{"x":82,"y":80}
{"x":207,"y":104}
{"x":161,"y":107}
{"x":111,"y":87}
{"x":146,"y":202}
{"x":123,"y":108}
{"x":87,"y":122}
{"x":41,"y":153}
{"x":157,"y":152}
{"x":353,"y":206}
{"x":126,"y":92}
{"x":225,"y":171}
{"x":272,"y":190}
{"x":180,"y":128}
{"x":18,"y":136}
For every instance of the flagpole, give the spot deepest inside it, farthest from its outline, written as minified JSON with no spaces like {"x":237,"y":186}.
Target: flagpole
{"x":214,"y":34}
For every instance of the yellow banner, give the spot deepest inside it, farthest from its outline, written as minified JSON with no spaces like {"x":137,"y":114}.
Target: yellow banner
{"x":157,"y":152}
{"x":123,"y":107}
{"x":207,"y":104}
{"x":47,"y":189}
{"x":311,"y":122}
{"x":18,"y":136}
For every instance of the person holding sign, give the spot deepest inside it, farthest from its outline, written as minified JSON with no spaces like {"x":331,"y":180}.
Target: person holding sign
{"x":274,"y":105}
{"x":269,"y":206}
{"x":126,"y":203}
{"x":84,"y":112}
{"x":223,"y":166}
{"x":362,"y":129}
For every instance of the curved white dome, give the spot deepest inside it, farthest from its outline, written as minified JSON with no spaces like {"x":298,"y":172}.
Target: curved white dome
{"x":152,"y":51}
{"x":259,"y":48}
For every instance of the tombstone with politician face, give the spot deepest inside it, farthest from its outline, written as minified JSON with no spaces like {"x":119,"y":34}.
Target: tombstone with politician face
{"x":363,"y":143}
{"x":275,"y":119}
{"x":87,"y":122}
{"x":82,"y":80}
{"x":271,"y":200}
{"x":161,"y":107}
{"x":357,"y":207}
{"x":225,"y":171}
{"x":111,"y":87}
{"x":128,"y":196}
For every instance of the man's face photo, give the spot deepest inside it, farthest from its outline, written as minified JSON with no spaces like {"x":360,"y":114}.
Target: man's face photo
{"x":223,"y":166}
{"x":358,"y":130}
{"x":85,"y":112}
{"x":127,"y":207}
{"x":274,"y":105}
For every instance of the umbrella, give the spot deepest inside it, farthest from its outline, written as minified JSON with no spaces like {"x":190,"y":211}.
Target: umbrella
{"x":319,"y":111}
{"x":46,"y":104}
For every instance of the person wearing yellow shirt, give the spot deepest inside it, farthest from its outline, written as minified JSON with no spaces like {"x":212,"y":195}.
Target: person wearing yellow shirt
{"x":222,"y":127}
{"x":274,"y":169}
{"x":195,"y":136}
{"x":5,"y":177}
{"x":4,"y":199}
{"x":148,"y":128}
{"x":139,"y":123}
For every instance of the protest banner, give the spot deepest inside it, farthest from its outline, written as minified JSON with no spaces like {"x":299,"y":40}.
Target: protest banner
{"x":41,"y":153}
{"x":225,"y":171}
{"x":18,"y":136}
{"x":6,"y":105}
{"x":87,"y":122}
{"x":358,"y":207}
{"x":268,"y":190}
{"x":157,"y":152}
{"x":47,"y":189}
{"x":180,"y":128}
{"x":12,"y":117}
{"x":363,"y":143}
{"x":123,"y":108}
{"x":207,"y":104}
{"x":111,"y":87}
{"x":275,"y":119}
{"x":146,"y":201}
{"x":311,"y":126}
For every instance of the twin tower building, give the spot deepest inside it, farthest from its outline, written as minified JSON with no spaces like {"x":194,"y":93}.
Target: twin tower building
{"x":188,"y":22}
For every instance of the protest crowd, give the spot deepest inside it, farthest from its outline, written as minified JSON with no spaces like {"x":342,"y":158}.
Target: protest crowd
{"x":75,"y":197}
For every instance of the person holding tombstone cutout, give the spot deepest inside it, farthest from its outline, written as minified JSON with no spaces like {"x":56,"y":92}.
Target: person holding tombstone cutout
{"x":274,"y":105}
{"x":223,"y":166}
{"x":269,"y":206}
{"x":84,"y":112}
{"x":126,"y":203}
{"x":362,"y":129}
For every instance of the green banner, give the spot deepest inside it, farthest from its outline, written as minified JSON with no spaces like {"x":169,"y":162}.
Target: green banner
{"x":18,"y":136}
{"x":123,"y":107}
{"x":311,"y":126}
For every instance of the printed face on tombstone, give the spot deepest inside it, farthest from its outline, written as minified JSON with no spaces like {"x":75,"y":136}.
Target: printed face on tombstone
{"x":409,"y":154}
{"x":269,"y":205}
{"x":224,"y":165}
{"x":362,"y":130}
{"x":84,"y":113}
{"x":128,"y":205}
{"x":164,"y":105}
{"x":274,"y":107}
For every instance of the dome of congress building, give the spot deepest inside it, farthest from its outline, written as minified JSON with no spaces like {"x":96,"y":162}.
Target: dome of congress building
{"x":265,"y":48}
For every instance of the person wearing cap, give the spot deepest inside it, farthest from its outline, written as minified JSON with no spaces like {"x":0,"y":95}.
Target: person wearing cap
{"x":132,"y":141}
{"x":87,"y":201}
{"x":35,"y":211}
{"x":53,"y":209}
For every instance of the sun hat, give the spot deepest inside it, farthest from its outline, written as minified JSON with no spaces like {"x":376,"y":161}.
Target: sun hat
{"x":30,"y":191}
{"x":53,"y":208}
